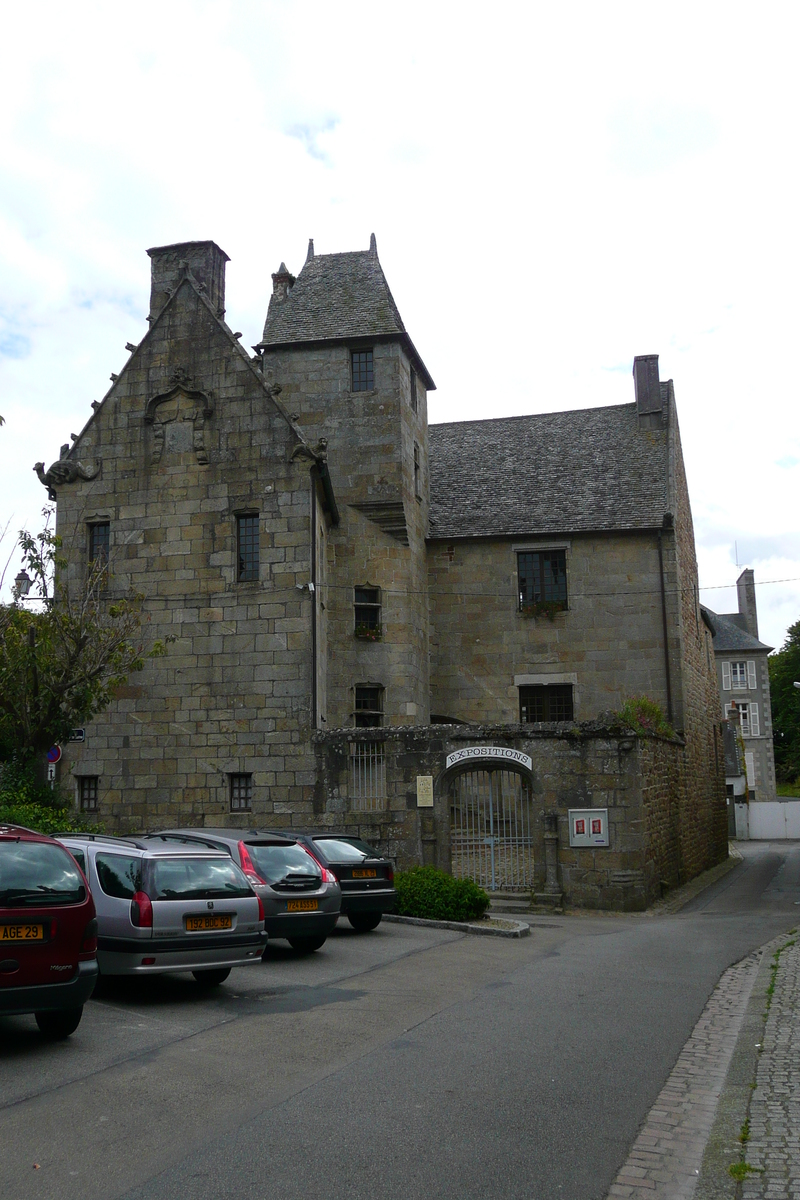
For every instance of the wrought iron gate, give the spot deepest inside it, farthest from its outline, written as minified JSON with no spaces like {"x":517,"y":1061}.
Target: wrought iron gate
{"x":490,"y":829}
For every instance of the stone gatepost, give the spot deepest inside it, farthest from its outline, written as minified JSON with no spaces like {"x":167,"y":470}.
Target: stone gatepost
{"x":552,"y":897}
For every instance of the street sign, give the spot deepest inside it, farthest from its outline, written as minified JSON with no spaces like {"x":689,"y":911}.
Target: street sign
{"x":54,"y":754}
{"x":77,"y":735}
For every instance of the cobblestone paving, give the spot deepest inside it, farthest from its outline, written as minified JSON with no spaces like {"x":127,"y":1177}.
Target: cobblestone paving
{"x":774,"y":1145}
{"x":665,"y":1161}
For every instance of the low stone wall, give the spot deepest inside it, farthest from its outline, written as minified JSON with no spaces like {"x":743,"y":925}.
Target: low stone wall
{"x":641,"y":781}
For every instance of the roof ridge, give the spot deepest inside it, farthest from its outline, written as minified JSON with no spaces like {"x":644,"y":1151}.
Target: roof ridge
{"x":559,"y":412}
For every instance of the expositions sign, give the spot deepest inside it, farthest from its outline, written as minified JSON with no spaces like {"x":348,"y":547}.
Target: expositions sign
{"x":504,"y":753}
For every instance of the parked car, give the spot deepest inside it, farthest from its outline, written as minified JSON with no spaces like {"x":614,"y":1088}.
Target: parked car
{"x":301,"y":897}
{"x":163,"y":907}
{"x":365,"y":877}
{"x":48,"y":932}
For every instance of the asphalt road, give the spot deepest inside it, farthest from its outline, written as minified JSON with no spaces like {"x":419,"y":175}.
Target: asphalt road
{"x":403,"y":1063}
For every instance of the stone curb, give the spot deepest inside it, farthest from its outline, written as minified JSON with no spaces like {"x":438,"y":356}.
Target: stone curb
{"x":519,"y":928}
{"x":723,"y":1148}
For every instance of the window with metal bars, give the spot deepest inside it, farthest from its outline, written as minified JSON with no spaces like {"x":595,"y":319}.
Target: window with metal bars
{"x":367,"y":611}
{"x":88,"y":788}
{"x":241,"y":793}
{"x":368,"y":706}
{"x":247,"y":547}
{"x":545,"y":702}
{"x":362,"y":369}
{"x":542,"y":578}
{"x":99,"y":541}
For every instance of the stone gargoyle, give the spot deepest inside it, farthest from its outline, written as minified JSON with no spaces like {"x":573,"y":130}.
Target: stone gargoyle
{"x":65,"y":470}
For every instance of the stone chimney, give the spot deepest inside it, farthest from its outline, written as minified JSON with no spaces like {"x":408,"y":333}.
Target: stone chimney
{"x":204,"y":260}
{"x":646,"y":384}
{"x":283,"y":281}
{"x":746,"y":593}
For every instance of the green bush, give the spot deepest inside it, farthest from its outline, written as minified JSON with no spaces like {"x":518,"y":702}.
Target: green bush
{"x":433,"y":894}
{"x":24,"y":801}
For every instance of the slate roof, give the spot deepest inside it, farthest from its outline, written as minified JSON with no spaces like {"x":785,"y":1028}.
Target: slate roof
{"x":591,"y":469}
{"x":728,"y":635}
{"x":339,"y":297}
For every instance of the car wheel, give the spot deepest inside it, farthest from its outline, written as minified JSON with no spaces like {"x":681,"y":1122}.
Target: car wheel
{"x":306,"y":945}
{"x":59,"y":1024}
{"x":363,"y":922}
{"x":212,"y":978}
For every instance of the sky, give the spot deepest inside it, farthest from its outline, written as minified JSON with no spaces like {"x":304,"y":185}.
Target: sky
{"x":554,"y":189}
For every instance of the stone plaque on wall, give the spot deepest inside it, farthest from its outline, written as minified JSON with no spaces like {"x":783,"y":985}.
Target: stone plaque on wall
{"x":424,"y":791}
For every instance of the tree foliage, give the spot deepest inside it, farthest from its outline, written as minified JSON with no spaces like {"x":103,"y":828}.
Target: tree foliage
{"x":61,"y":661}
{"x":784,"y":669}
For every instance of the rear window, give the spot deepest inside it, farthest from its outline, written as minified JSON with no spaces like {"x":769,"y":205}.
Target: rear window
{"x":38,"y":873}
{"x":119,"y":875}
{"x":197,"y":879}
{"x":80,"y":858}
{"x":345,"y":849}
{"x":274,"y":863}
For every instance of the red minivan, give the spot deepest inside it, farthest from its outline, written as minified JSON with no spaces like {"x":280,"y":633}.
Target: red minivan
{"x":48,"y":932}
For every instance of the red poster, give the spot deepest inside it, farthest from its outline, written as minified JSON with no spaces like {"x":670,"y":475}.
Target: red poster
{"x":597,"y":826}
{"x":580,"y":825}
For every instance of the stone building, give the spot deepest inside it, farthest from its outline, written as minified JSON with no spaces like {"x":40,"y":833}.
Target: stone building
{"x":743,"y":682}
{"x":417,"y":634}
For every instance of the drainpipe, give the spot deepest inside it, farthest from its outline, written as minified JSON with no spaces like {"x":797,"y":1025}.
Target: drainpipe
{"x":667,"y":674}
{"x":313,"y":590}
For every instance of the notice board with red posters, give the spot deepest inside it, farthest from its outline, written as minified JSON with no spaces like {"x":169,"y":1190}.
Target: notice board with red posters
{"x":588,"y":827}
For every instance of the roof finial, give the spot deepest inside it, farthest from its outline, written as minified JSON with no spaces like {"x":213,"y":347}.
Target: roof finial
{"x":373,"y":245}
{"x":310,"y":254}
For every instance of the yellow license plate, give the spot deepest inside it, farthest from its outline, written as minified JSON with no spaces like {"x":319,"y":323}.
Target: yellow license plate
{"x":198,"y":924}
{"x":368,"y":873}
{"x":302,"y":905}
{"x":21,"y":933}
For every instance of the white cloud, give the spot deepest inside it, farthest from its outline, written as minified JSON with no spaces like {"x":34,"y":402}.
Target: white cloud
{"x":554,"y":190}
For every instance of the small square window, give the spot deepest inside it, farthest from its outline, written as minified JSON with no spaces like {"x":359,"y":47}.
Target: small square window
{"x":241,"y":793}
{"x":547,"y":702}
{"x":369,"y":706}
{"x":362,"y":370}
{"x":88,"y":787}
{"x":367,"y":611}
{"x":99,"y":540}
{"x":247,"y":547}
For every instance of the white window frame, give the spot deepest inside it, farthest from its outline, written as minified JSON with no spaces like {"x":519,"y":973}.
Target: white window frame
{"x":750,"y":721}
{"x":750,"y":678}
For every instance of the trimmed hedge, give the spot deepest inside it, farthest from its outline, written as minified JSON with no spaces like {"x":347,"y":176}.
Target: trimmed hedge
{"x":433,"y":894}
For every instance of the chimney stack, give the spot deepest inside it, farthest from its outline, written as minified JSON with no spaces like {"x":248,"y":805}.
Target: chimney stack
{"x":746,"y":594}
{"x":646,"y":384}
{"x":204,"y":260}
{"x":282,"y":281}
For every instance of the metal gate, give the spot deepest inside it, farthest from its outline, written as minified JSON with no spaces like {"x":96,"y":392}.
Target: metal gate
{"x":490,"y":829}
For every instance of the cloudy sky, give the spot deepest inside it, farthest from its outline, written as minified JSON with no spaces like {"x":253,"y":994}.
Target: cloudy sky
{"x":554,"y":189}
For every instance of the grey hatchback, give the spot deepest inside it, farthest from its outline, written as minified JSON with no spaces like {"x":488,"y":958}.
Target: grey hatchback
{"x":301,"y":898}
{"x":169,"y":908}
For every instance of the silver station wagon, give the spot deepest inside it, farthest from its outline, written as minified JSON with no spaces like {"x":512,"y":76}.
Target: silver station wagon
{"x":166,"y":907}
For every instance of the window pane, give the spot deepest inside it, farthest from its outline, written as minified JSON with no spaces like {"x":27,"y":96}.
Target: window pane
{"x":88,"y":792}
{"x":542,"y":577}
{"x":739,"y":675}
{"x":241,"y":792}
{"x":549,"y":702}
{"x":367,"y":608}
{"x":369,"y":706}
{"x":275,"y":862}
{"x":99,"y":538}
{"x":362,"y":367}
{"x":247,"y":537}
{"x":119,"y":876}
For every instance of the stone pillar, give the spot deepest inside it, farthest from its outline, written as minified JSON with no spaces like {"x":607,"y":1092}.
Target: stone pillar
{"x":552,"y":897}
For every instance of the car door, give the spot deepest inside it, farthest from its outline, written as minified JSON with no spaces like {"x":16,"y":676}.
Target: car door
{"x":115,"y":879}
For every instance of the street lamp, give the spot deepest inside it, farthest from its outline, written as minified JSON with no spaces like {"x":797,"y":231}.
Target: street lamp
{"x":22,"y":585}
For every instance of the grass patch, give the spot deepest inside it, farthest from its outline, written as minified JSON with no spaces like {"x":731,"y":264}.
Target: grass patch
{"x":741,"y":1170}
{"x":434,"y":895}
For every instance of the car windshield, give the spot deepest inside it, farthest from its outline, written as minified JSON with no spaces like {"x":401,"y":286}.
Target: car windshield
{"x":38,"y":873}
{"x":274,"y":863}
{"x":197,"y":879}
{"x":345,"y":849}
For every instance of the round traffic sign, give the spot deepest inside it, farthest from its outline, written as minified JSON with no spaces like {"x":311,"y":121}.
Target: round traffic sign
{"x":54,"y":754}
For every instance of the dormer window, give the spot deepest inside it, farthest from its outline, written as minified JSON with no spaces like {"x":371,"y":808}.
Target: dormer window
{"x":362,"y":368}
